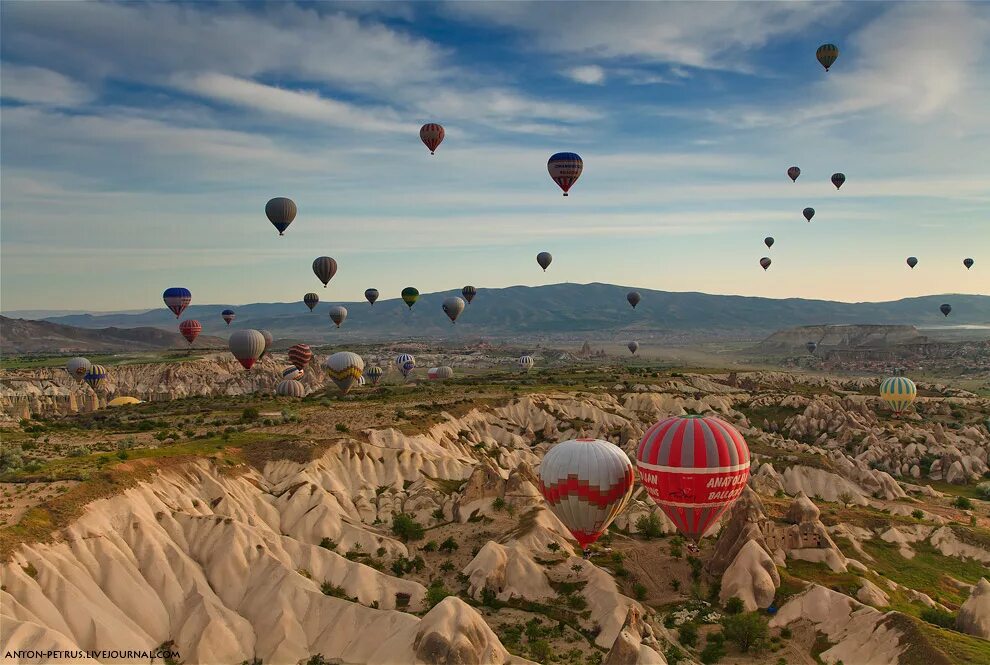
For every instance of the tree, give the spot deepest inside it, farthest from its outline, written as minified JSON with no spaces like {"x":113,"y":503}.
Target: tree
{"x":687,"y":634}
{"x":734,"y":605}
{"x":431,"y":546}
{"x":498,"y":503}
{"x":939,"y":617}
{"x":406,"y":528}
{"x":650,"y":526}
{"x":553,"y":547}
{"x":963,"y":503}
{"x":449,"y":545}
{"x":746,"y":630}
{"x":436,"y":592}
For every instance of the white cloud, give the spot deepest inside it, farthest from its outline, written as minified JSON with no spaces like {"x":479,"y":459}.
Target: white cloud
{"x":308,"y":105}
{"x":588,"y":74}
{"x":36,"y":85}
{"x":699,"y":34}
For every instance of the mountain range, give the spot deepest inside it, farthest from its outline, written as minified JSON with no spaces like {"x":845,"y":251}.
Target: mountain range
{"x":556,"y":310}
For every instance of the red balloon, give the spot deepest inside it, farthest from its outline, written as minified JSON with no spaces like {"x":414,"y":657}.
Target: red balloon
{"x":431,"y":134}
{"x":190,"y":329}
{"x":300,"y":355}
{"x":694,"y":468}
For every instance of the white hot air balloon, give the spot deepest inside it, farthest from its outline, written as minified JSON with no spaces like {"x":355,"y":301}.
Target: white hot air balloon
{"x":526,"y":363}
{"x":345,"y":369}
{"x":406,"y":363}
{"x":587,"y":483}
{"x":453,"y":307}
{"x":247,"y":346}
{"x":77,"y":368}
{"x":290,"y":388}
{"x":337,"y":314}
{"x":440,"y":373}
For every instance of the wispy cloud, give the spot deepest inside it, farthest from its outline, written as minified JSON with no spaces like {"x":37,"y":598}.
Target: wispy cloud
{"x":588,"y":74}
{"x":37,"y":85}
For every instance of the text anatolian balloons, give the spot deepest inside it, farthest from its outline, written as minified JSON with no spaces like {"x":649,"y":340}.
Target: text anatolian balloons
{"x":453,"y":307}
{"x":280,"y":212}
{"x":694,"y":468}
{"x":324,"y":268}
{"x":586,"y":483}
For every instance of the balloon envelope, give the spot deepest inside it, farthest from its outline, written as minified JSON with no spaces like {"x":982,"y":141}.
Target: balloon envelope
{"x":324,"y":268}
{"x":293,"y":373}
{"x":694,"y":468}
{"x":808,"y":213}
{"x":793,"y":173}
{"x":345,"y":368}
{"x":311,"y":300}
{"x":586,"y":483}
{"x":544,"y":259}
{"x":77,"y":367}
{"x":247,"y":346}
{"x":95,"y":376}
{"x":300,"y":355}
{"x":228,"y":315}
{"x":968,"y":263}
{"x":280,"y":211}
{"x":337,"y":314}
{"x":410,"y":295}
{"x":268,"y":342}
{"x":768,"y":241}
{"x":811,"y":346}
{"x":899,"y":392}
{"x":469,"y":292}
{"x":912,"y":261}
{"x":375,"y":374}
{"x":633,"y":297}
{"x":431,"y":134}
{"x":565,"y":168}
{"x":190,"y":329}
{"x":633,"y":347}
{"x":526,"y":362}
{"x":371,"y":295}
{"x":826,"y":54}
{"x":406,"y":363}
{"x":177,"y":299}
{"x":945,"y":309}
{"x":453,"y":307}
{"x":838,"y":179}
{"x":290,"y":388}
{"x":765,"y":262}
{"x":439,"y":373}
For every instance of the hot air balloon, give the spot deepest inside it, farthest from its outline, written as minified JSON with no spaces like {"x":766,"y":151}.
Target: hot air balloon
{"x":228,"y":315}
{"x":406,"y":363}
{"x":361,"y":380}
{"x":293,"y":373}
{"x":544,"y":259}
{"x":440,"y":373}
{"x":431,"y":134}
{"x":311,"y":300}
{"x":374,"y":375}
{"x":838,"y":179}
{"x":765,"y":262}
{"x":290,"y":388}
{"x":324,"y":268}
{"x":453,"y":307}
{"x":808,"y":213}
{"x":526,"y":363}
{"x":280,"y":211}
{"x":968,"y":263}
{"x":337,"y":314}
{"x":565,"y":168}
{"x":268,"y":342}
{"x":371,"y":295}
{"x":793,"y":173}
{"x":177,"y":299}
{"x":300,"y":355}
{"x":77,"y":367}
{"x":826,"y":54}
{"x":912,"y":262}
{"x":694,"y":468}
{"x":190,"y":329}
{"x":410,"y":295}
{"x":469,"y":292}
{"x":899,"y":392}
{"x":633,"y":347}
{"x":247,"y":346}
{"x":945,"y":308}
{"x":344,"y":368}
{"x":633,"y":297}
{"x":124,"y":401}
{"x":586,"y":483}
{"x":811,"y":346}
{"x":95,"y":376}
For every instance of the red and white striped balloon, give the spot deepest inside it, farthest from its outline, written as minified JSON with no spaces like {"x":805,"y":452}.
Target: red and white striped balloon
{"x":587,"y":483}
{"x":694,"y":468}
{"x":300,"y":355}
{"x":431,"y":134}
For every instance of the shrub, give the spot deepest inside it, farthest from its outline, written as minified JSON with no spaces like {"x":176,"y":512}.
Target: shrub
{"x":10,"y":458}
{"x":341,"y":427}
{"x":553,"y":547}
{"x":430,"y":546}
{"x":449,"y":545}
{"x":963,"y":503}
{"x":328,"y":544}
{"x":734,"y":605}
{"x":639,"y":591}
{"x":650,"y":526}
{"x":983,"y":491}
{"x":712,"y":653}
{"x":540,"y":649}
{"x":675,"y":585}
{"x":687,"y":634}
{"x":488,"y":597}
{"x":939,"y":617}
{"x":250,"y":414}
{"x":406,"y":528}
{"x":785,"y":633}
{"x":498,"y":503}
{"x":435,"y":592}
{"x":447,"y":567}
{"x":746,"y":630}
{"x":917,"y":514}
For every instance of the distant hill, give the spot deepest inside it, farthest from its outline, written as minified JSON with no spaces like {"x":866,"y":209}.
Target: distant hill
{"x":23,"y":336}
{"x":793,"y":340}
{"x":555,"y":310}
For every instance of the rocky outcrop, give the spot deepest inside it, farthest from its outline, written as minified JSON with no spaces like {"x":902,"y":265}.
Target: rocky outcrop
{"x":635,"y":644}
{"x":974,"y":615}
{"x":452,"y":632}
{"x":807,"y":538}
{"x":746,"y":522}
{"x":509,"y":571}
{"x":752,"y":576}
{"x":870,"y":594}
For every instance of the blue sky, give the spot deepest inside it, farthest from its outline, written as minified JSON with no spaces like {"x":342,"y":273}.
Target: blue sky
{"x":140,"y":143}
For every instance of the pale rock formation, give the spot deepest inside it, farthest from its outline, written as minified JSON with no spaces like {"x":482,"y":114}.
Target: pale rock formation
{"x":635,"y":644}
{"x":746,"y":521}
{"x":858,"y":632}
{"x":807,"y":539}
{"x":870,"y":594}
{"x":974,"y":615}
{"x":752,"y":576}
{"x":818,"y":482}
{"x":509,"y":571}
{"x":946,"y":542}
